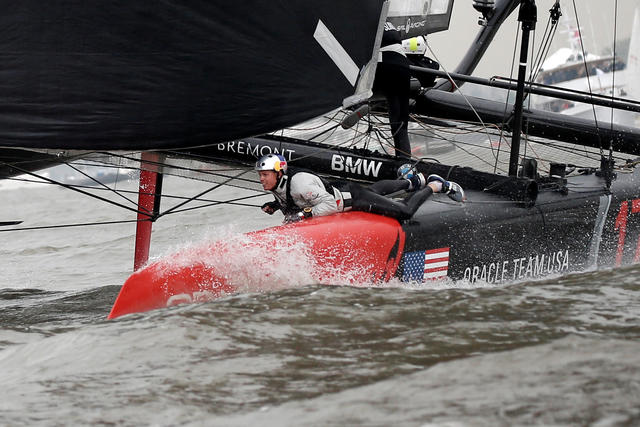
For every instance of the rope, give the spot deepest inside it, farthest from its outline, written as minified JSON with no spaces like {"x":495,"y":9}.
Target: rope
{"x":613,"y":82}
{"x":48,"y":227}
{"x":71,"y":187}
{"x":584,"y":61}
{"x":460,"y":91}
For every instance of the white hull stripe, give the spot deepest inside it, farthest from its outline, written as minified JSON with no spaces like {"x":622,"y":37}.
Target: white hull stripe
{"x":435,"y":275}
{"x":428,"y":265}
{"x":436,"y":255}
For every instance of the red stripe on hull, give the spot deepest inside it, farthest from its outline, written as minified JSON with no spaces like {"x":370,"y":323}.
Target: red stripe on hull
{"x":434,"y":260}
{"x":435,"y":251}
{"x":433,"y":270}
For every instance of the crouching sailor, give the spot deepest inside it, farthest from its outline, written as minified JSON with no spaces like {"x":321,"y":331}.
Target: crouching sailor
{"x":301,"y":194}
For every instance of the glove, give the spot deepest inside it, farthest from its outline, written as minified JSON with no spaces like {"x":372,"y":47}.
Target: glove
{"x":298,"y":216}
{"x":291,"y":218}
{"x":271,"y":207}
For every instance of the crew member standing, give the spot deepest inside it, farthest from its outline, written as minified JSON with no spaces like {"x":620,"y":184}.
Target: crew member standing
{"x":393,"y":80}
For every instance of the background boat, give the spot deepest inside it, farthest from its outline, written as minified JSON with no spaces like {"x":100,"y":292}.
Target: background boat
{"x":568,"y":67}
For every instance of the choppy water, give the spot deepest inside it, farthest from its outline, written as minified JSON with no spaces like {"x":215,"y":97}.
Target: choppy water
{"x":564,"y":351}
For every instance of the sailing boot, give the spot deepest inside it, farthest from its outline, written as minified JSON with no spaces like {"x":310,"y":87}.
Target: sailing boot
{"x":450,"y":188}
{"x":416,"y":182}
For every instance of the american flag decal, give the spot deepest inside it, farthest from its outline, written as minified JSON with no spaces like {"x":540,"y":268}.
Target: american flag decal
{"x":432,"y":264}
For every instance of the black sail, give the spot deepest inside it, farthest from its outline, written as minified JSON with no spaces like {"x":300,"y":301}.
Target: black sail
{"x":87,"y":74}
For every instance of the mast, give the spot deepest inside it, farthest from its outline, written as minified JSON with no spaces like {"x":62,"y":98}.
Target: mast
{"x":527,"y":16}
{"x":149,"y":195}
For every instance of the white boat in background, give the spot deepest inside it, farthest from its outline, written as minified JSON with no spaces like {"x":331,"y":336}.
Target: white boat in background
{"x":606,"y":75}
{"x":87,"y":174}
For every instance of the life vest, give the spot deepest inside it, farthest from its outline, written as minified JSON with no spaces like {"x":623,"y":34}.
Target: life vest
{"x":288,"y":205}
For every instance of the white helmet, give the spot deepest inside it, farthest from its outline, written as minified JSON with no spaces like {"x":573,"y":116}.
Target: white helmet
{"x":272,"y":162}
{"x":414,"y":46}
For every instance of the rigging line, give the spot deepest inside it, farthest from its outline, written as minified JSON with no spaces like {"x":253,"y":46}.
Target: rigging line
{"x":201,"y":194}
{"x":358,"y":138}
{"x":47,"y":227}
{"x":183,"y":155}
{"x":586,"y":68}
{"x":528,"y":98}
{"x":382,"y":140}
{"x":21,"y":162}
{"x":569,"y":147}
{"x":217,"y":175}
{"x":459,"y":145}
{"x":539,"y":57}
{"x":94,"y":162}
{"x":370,"y":128}
{"x":352,"y":141}
{"x":536,"y":155}
{"x":364,"y":137}
{"x":554,"y":15}
{"x":327,"y":136}
{"x":166,"y":196}
{"x":544,"y":51}
{"x":193,"y":157}
{"x":566,"y":150}
{"x":532,"y":75}
{"x":70,"y":187}
{"x":344,"y":144}
{"x":328,"y":120}
{"x":216,"y":203}
{"x":547,"y":49}
{"x":506,"y":101}
{"x":458,"y":89}
{"x":104,"y":186}
{"x":459,"y":129}
{"x":355,"y":136}
{"x":331,"y":129}
{"x":613,"y":71}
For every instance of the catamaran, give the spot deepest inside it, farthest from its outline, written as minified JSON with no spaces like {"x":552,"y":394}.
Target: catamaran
{"x":546,"y":193}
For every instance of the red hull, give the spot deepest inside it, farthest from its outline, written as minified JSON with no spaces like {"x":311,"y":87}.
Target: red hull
{"x":341,"y":249}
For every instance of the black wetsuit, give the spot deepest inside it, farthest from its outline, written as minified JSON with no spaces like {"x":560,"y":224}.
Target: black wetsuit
{"x":393,"y":80}
{"x":373,"y":198}
{"x":347,"y":195}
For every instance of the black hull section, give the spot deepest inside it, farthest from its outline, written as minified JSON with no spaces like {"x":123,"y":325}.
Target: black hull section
{"x":488,"y":240}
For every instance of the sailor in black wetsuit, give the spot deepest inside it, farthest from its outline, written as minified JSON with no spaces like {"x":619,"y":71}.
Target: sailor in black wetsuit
{"x":301,"y":194}
{"x":393,"y":80}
